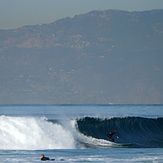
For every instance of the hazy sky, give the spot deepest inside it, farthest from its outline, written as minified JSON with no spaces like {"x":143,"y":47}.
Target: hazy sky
{"x":18,"y":13}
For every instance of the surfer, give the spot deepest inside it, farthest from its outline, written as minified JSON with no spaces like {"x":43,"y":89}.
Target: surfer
{"x":43,"y":158}
{"x":110,"y":135}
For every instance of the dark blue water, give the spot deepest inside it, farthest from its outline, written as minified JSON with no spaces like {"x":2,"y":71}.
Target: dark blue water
{"x":140,"y":132}
{"x":78,"y":133}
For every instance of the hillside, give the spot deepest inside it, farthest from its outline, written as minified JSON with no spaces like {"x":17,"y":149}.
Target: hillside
{"x":99,"y":57}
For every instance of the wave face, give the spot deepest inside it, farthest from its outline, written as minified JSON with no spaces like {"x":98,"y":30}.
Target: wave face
{"x":141,"y":132}
{"x":36,"y":133}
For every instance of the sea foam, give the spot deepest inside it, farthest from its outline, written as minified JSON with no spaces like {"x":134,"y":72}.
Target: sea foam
{"x":33,"y":133}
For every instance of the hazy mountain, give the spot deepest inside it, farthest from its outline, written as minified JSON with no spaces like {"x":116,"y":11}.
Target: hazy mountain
{"x":99,"y":57}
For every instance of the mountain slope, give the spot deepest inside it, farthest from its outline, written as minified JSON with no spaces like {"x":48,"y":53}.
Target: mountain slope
{"x":107,"y":56}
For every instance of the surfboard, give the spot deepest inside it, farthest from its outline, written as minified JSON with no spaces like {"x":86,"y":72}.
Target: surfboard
{"x":118,"y":144}
{"x":123,"y":144}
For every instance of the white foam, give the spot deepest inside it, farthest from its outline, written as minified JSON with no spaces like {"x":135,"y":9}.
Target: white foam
{"x":33,"y":133}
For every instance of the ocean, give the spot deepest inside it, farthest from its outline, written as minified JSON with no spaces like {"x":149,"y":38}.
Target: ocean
{"x":78,"y":133}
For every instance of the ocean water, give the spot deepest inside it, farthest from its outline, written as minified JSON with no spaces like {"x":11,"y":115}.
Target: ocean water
{"x":77,"y":133}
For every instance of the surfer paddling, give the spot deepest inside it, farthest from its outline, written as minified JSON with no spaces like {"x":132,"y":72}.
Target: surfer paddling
{"x":43,"y":158}
{"x":110,"y":135}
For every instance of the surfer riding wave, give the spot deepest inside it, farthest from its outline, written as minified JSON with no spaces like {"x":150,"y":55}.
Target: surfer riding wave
{"x":110,"y":135}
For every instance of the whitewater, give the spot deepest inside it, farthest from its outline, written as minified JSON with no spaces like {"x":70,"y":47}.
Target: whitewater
{"x":78,"y":133}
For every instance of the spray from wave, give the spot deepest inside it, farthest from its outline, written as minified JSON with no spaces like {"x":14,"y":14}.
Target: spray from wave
{"x":33,"y":133}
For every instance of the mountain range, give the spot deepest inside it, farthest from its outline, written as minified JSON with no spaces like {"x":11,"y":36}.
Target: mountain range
{"x":101,"y":57}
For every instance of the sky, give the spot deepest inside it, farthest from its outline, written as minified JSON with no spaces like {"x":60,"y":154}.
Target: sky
{"x":18,"y":13}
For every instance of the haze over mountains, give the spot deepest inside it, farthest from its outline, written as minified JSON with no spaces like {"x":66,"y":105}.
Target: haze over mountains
{"x":100,"y":57}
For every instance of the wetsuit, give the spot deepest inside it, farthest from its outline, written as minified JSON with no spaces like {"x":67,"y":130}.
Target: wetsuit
{"x":110,"y":136}
{"x":45,"y":158}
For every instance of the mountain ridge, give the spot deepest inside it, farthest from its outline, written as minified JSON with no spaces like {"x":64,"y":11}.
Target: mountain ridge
{"x":100,"y":57}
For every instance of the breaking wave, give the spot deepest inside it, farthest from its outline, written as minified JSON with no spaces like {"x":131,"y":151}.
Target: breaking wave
{"x":36,"y":133}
